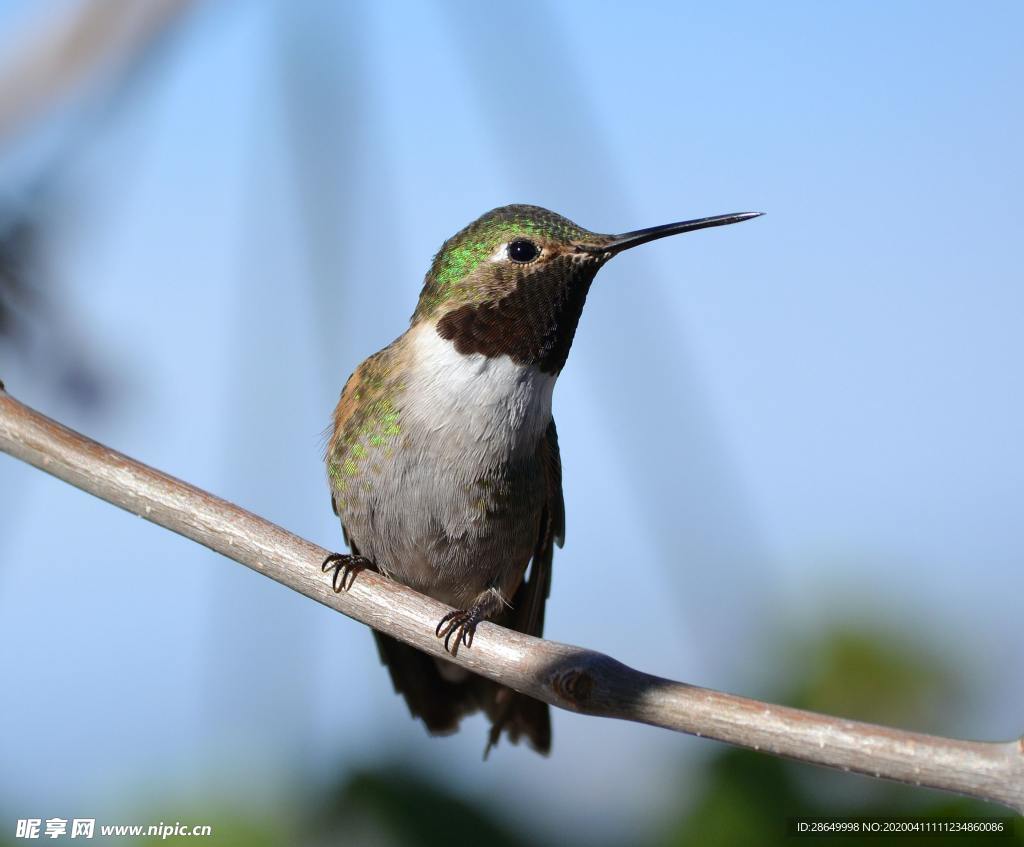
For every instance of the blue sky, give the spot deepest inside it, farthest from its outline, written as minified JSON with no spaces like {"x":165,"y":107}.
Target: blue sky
{"x":765,"y":428}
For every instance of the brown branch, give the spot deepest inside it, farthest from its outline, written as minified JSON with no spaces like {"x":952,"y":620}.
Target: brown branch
{"x":568,"y":677}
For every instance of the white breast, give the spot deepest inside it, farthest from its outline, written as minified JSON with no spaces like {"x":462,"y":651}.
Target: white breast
{"x":491,"y":408}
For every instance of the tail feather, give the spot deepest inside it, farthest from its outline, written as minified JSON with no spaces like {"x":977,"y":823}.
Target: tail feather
{"x":442,"y":703}
{"x":518,"y":715}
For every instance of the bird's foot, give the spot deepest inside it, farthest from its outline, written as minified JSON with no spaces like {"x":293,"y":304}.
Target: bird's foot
{"x":343,"y":568}
{"x":458,"y":627}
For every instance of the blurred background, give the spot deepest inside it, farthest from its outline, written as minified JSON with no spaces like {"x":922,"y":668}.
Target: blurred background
{"x":793,"y":446}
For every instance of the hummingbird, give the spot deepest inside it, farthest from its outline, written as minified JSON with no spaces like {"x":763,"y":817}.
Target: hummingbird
{"x":443,"y":458}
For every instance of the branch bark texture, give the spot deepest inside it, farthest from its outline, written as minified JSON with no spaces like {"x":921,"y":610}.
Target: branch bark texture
{"x":569,"y":677}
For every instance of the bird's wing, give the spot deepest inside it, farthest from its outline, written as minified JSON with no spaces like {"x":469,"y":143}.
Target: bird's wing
{"x":334,"y":454}
{"x":533,"y":593}
{"x":517,"y":714}
{"x":361,"y":396}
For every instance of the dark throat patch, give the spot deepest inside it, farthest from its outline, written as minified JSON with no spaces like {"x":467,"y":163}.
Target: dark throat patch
{"x":534,"y":323}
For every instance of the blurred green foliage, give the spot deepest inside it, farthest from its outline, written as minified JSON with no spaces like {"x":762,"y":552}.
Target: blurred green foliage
{"x":872,"y":676}
{"x":745,"y":797}
{"x":408,"y":809}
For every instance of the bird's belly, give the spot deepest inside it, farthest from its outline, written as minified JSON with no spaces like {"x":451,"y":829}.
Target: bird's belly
{"x":450,"y":503}
{"x":447,"y":534}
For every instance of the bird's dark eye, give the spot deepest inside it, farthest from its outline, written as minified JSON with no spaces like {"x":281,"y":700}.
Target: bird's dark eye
{"x":523,"y":251}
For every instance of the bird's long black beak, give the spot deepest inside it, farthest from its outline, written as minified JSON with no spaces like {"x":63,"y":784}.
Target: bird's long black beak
{"x":642,"y":236}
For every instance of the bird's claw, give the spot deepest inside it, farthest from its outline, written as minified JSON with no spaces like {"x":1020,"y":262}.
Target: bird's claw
{"x":462,"y":625}
{"x":343,"y":568}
